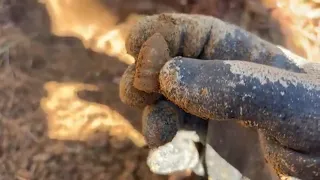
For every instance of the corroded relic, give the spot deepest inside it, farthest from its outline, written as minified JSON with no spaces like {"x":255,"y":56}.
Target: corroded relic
{"x":153,"y":55}
{"x":132,"y":96}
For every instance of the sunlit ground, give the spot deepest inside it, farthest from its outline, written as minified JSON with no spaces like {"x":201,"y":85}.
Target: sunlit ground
{"x":301,"y":18}
{"x":71,"y":118}
{"x":93,"y":24}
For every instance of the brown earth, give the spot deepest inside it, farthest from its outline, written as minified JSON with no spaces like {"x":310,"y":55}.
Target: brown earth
{"x":60,"y":113}
{"x":61,"y":117}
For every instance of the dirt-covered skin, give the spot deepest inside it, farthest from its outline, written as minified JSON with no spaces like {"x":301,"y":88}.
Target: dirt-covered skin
{"x":206,"y":37}
{"x":285,"y":103}
{"x":290,"y":162}
{"x":132,"y":96}
{"x":160,"y":123}
{"x":163,"y":119}
{"x":153,"y":55}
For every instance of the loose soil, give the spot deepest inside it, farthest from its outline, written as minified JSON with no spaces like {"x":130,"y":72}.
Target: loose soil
{"x":60,"y":113}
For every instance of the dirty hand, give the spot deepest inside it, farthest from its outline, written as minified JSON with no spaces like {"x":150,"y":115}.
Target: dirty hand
{"x":244,"y":79}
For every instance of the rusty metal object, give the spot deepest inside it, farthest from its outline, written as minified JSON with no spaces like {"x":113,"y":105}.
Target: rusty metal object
{"x":132,"y":96}
{"x":153,"y":55}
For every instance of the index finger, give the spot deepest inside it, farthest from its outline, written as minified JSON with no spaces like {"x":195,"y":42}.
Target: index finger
{"x":205,"y":37}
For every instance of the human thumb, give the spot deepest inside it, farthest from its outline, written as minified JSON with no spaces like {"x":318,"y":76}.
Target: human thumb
{"x":285,"y":103}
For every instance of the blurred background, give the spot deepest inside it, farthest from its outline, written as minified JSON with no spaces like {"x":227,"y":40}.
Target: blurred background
{"x":60,"y":66}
